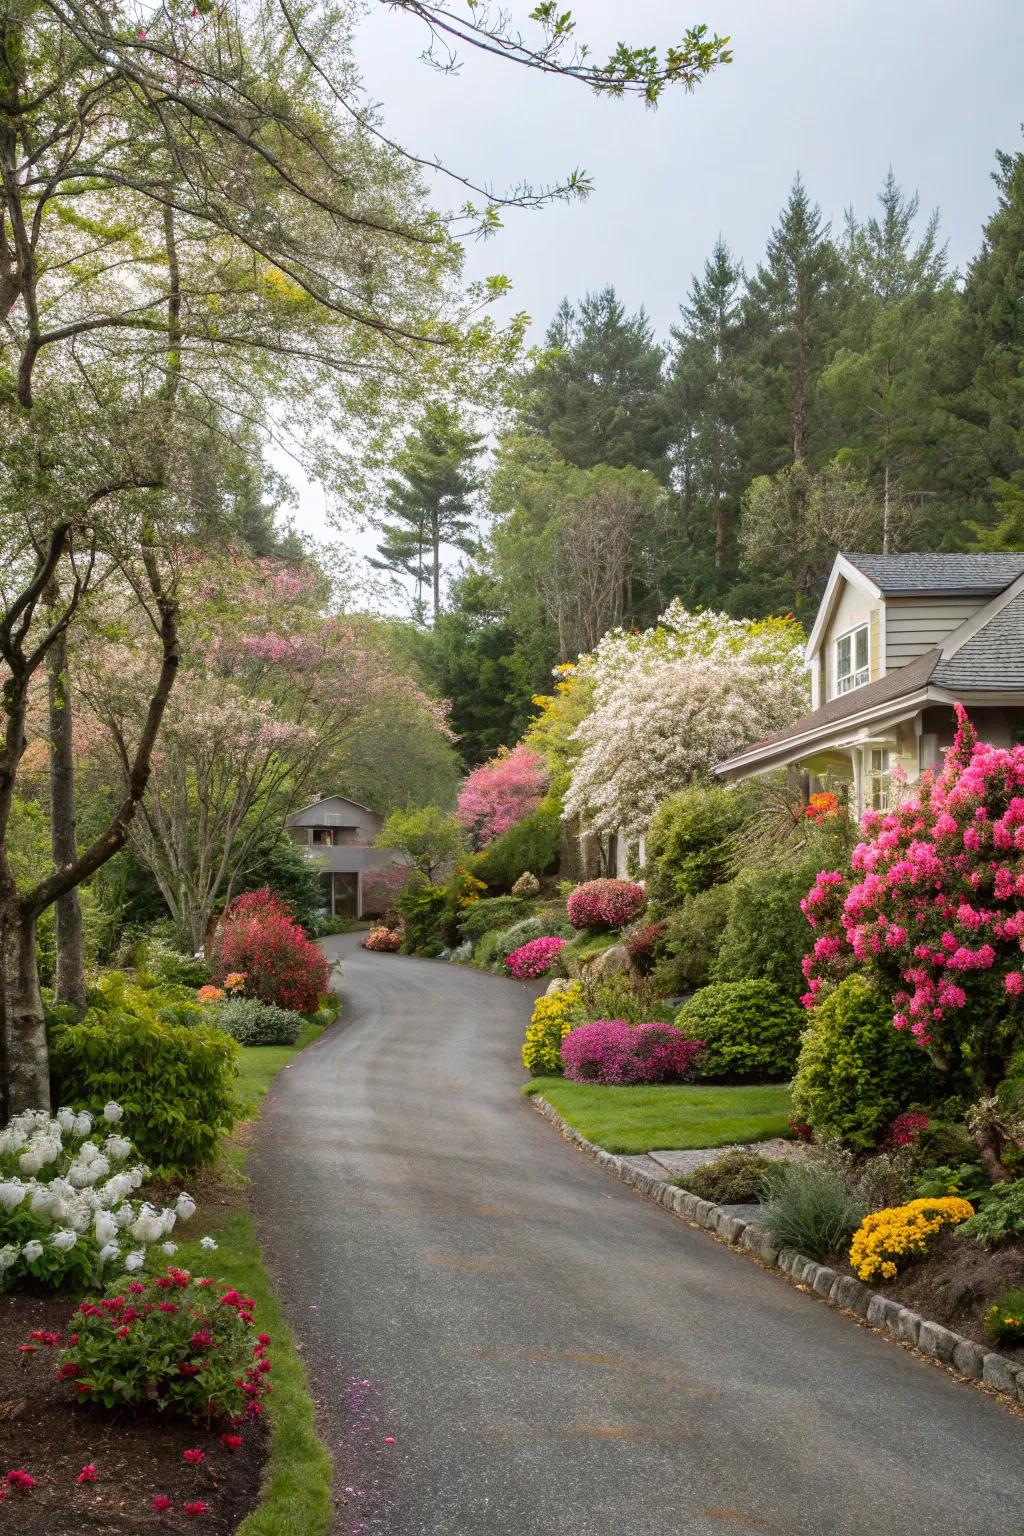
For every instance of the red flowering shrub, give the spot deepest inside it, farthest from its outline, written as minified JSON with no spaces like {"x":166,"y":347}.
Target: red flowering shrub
{"x":613,"y":1051}
{"x":905,"y":1129}
{"x":261,"y":938}
{"x":186,"y":1344}
{"x":605,"y":903}
{"x":642,"y":942}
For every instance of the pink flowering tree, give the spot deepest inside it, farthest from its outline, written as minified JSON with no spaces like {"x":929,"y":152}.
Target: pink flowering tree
{"x":498,"y":794}
{"x":269,"y":685}
{"x":933,"y":907}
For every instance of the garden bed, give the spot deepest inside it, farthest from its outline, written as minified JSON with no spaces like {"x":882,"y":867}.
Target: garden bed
{"x":650,"y":1118}
{"x":955,"y":1285}
{"x":137,"y":1453}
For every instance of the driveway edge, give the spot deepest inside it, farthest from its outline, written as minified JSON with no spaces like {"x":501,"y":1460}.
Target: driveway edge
{"x":963,"y":1356}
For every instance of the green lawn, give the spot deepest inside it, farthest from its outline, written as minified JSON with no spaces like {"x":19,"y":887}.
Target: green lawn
{"x":260,"y":1064}
{"x":653,"y":1118}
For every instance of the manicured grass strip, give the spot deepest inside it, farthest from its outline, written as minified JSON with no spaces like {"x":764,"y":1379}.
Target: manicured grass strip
{"x":648,"y":1119}
{"x":260,"y":1064}
{"x":297,"y":1479}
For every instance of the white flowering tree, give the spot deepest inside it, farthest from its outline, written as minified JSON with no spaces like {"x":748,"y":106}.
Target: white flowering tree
{"x":672,"y":701}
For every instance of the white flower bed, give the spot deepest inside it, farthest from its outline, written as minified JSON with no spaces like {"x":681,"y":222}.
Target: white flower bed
{"x":67,"y":1211}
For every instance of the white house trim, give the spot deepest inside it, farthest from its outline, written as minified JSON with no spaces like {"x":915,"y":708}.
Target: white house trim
{"x":842,"y":570}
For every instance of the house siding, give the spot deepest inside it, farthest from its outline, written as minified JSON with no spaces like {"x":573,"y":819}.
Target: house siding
{"x":916,"y":624}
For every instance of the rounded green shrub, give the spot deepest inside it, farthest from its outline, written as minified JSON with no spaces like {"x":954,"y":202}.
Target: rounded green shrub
{"x":491,"y":912}
{"x":766,"y":935}
{"x":751,"y":1031}
{"x":252,"y":1022}
{"x":530,"y":846}
{"x":690,"y":944}
{"x":735,"y":1178}
{"x":856,"y":1071}
{"x":689,"y":843}
{"x":175,"y":1082}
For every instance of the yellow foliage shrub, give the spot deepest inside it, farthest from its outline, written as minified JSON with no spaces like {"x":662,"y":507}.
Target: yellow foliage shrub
{"x":553,"y":1017}
{"x":886,"y":1238}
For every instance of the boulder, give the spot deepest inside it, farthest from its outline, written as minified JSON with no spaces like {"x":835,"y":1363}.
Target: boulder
{"x":611,"y":961}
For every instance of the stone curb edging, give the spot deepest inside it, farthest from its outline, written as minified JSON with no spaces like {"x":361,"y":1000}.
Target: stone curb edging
{"x":950,"y":1349}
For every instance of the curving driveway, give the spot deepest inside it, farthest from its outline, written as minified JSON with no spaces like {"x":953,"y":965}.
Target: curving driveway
{"x":507,"y":1342}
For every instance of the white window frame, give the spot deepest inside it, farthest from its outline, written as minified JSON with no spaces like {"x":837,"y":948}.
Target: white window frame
{"x":878,"y":764}
{"x":856,"y":677}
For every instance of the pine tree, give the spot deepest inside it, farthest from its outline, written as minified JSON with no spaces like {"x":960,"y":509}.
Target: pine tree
{"x":988,"y":397}
{"x":792,"y":309}
{"x":881,"y":384}
{"x":430,"y":499}
{"x":707,"y":393}
{"x":597,"y":395}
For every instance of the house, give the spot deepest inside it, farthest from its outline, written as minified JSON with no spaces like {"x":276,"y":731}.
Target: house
{"x":897,"y":641}
{"x":338,"y":834}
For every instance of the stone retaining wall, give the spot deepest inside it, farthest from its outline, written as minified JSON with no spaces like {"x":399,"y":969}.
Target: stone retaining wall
{"x":971,"y":1360}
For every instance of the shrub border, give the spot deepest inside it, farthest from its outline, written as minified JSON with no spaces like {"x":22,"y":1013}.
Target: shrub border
{"x":965,"y":1358}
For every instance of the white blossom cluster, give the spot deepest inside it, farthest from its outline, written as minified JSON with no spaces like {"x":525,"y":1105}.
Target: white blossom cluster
{"x":671,"y":702}
{"x":64,"y":1189}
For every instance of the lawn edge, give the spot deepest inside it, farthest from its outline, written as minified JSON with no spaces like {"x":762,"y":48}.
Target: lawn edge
{"x":987,"y":1370}
{"x":313,"y":1465}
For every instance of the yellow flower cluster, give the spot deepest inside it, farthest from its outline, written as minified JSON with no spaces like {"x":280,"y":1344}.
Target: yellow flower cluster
{"x":553,"y":1018}
{"x":885,"y":1238}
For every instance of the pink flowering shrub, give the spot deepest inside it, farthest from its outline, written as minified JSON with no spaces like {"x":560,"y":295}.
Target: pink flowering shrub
{"x":906,"y":1128}
{"x":281,"y":965}
{"x":533,"y":959}
{"x":615,"y":1052}
{"x":605,"y":903}
{"x":500,"y":793}
{"x":384,"y":940}
{"x":933,"y":907}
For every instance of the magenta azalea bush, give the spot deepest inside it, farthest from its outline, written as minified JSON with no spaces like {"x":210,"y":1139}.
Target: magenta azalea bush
{"x":498,"y":794}
{"x":933,"y":908}
{"x":533,"y":959}
{"x":605,"y":903}
{"x":616,"y":1052}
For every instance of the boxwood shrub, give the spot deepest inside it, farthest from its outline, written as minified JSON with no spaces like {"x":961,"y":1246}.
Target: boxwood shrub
{"x":491,"y":912}
{"x":689,"y":843}
{"x":856,"y":1071}
{"x":690,"y":944}
{"x":175,"y":1082}
{"x":751,"y":1030}
{"x":766,"y":936}
{"x":251,"y":1022}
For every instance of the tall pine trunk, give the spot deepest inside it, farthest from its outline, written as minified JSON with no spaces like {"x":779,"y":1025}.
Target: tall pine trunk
{"x":70,"y":978}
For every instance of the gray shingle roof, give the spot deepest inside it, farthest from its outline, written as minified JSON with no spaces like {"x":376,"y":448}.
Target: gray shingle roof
{"x":993,"y":658}
{"x":969,"y":575}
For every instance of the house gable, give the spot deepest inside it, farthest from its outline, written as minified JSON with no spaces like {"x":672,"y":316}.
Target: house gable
{"x":337,"y":811}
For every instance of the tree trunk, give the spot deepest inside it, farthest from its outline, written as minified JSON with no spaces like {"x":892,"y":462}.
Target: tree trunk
{"x":887,"y":510}
{"x":990,"y":1147}
{"x":435,"y":541}
{"x":25,"y":1058}
{"x":70,"y":979}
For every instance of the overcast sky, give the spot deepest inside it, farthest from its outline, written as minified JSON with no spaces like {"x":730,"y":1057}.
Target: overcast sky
{"x":837,"y":89}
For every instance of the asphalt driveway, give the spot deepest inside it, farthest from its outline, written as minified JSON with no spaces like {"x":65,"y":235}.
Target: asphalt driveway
{"x":505,"y":1341}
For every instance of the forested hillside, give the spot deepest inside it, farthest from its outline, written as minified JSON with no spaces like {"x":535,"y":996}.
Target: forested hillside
{"x":850,"y":390}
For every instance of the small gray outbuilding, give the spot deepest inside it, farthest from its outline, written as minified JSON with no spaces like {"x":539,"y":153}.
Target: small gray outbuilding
{"x":338,"y":835}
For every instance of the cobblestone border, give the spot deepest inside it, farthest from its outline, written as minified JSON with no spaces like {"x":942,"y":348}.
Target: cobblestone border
{"x":950,"y":1349}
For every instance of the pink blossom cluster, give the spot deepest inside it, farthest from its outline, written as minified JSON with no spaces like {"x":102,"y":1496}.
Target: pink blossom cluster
{"x":616,"y":1052}
{"x":934,"y":899}
{"x":605,"y":903}
{"x":533,"y":959}
{"x":498,"y":794}
{"x":386,"y":941}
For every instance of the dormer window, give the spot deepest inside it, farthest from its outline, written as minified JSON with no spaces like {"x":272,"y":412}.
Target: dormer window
{"x":852,"y":666}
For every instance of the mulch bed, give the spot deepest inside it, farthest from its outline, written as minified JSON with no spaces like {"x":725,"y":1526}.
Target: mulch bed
{"x":137,"y":1452}
{"x":956,"y":1285}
